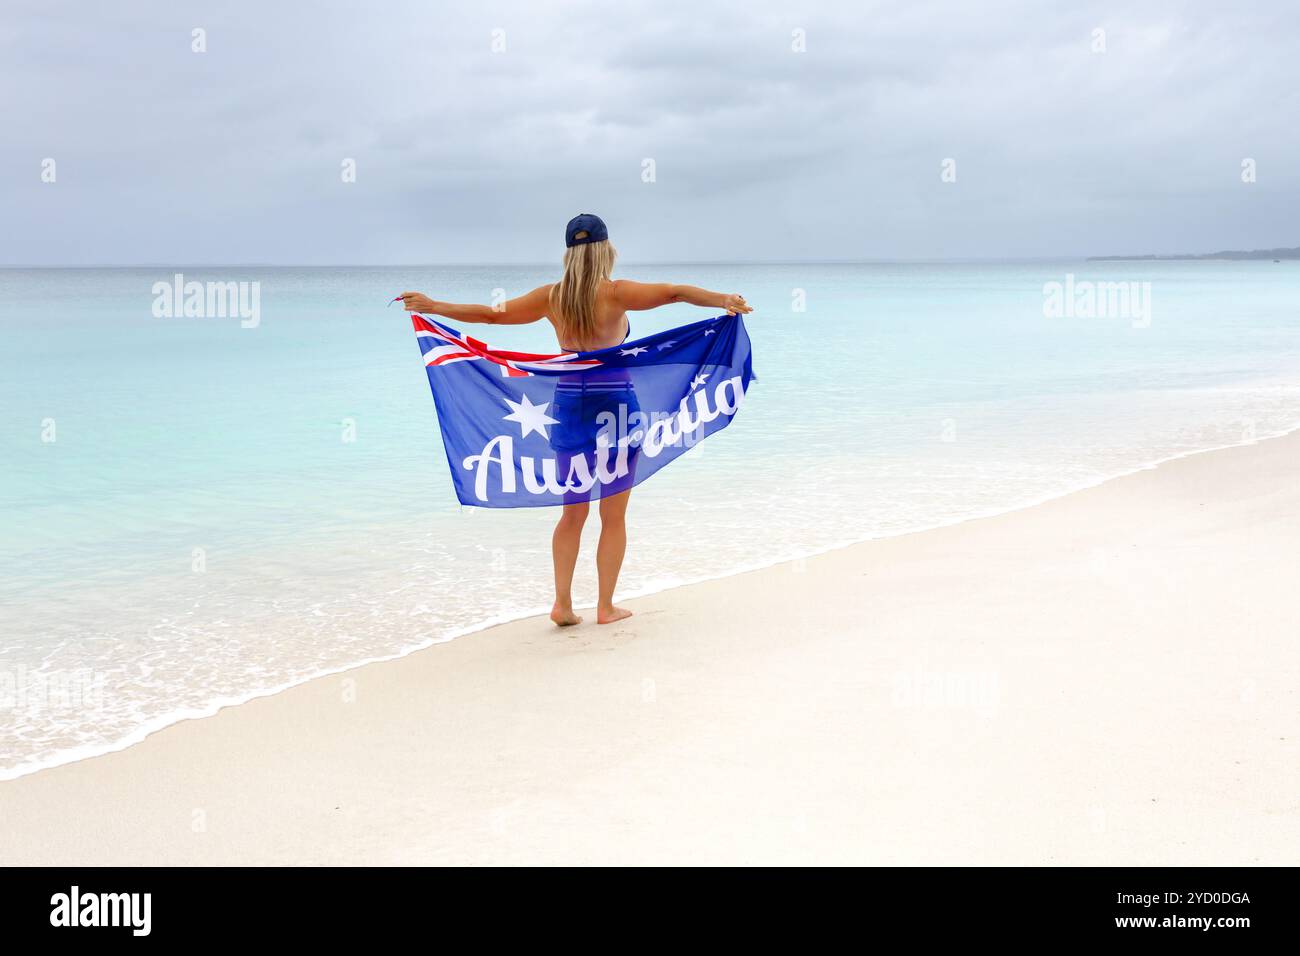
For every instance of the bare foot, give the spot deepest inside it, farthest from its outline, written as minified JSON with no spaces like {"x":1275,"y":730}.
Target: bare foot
{"x":564,"y":616}
{"x":608,"y":615}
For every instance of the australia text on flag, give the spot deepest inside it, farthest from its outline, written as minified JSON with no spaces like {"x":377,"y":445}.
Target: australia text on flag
{"x":522,"y":429}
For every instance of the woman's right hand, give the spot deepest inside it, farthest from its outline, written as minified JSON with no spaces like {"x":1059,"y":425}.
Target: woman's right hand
{"x":416,"y":302}
{"x":736,"y":305}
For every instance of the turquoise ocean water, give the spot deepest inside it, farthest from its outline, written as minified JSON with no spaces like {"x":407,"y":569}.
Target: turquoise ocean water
{"x":193,"y":512}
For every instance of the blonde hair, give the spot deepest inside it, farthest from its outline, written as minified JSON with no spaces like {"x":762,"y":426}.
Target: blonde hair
{"x":573,"y":298}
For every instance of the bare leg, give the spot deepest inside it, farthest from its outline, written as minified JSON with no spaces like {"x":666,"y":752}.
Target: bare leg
{"x":609,"y":555}
{"x":564,"y":550}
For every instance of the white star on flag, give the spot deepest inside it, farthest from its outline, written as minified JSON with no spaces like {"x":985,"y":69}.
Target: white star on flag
{"x":666,"y":345}
{"x":633,"y":351}
{"x":699,"y":380}
{"x":531,"y":418}
{"x":710,"y":331}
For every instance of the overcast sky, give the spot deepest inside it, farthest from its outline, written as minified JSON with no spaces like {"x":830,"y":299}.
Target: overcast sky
{"x":167,"y":156}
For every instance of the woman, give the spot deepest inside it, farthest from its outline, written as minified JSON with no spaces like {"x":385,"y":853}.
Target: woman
{"x":589,"y":311}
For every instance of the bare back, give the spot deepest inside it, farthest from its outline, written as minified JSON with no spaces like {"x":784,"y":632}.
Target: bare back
{"x":612,"y":325}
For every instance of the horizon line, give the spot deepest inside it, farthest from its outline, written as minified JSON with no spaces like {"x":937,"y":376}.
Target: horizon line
{"x":553,"y":264}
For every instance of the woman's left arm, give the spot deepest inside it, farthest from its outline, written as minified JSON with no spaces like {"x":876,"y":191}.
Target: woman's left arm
{"x":526,"y":308}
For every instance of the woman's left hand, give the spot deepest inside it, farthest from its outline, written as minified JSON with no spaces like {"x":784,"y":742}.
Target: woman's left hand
{"x":735,"y":304}
{"x":417,"y":302}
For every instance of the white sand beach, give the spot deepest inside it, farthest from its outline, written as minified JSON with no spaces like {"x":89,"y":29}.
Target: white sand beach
{"x":1107,"y":678}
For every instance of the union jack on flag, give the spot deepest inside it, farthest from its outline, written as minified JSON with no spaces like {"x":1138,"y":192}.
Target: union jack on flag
{"x":442,"y":345}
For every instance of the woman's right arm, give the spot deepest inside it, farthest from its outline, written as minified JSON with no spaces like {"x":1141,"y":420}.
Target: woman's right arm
{"x":528,"y":307}
{"x":640,"y":296}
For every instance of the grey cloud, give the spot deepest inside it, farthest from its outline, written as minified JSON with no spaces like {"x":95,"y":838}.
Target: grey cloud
{"x":463,"y":155}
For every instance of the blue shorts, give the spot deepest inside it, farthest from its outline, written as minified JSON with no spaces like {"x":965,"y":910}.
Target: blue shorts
{"x":585,"y":411}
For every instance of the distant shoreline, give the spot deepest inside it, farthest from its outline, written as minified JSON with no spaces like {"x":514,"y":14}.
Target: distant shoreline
{"x":1232,"y":255}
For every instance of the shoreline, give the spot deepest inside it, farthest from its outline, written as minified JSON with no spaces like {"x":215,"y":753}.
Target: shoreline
{"x":1105,"y":678}
{"x":174,"y":718}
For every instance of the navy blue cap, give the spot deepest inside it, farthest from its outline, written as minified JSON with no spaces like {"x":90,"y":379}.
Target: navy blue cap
{"x":592,"y":225}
